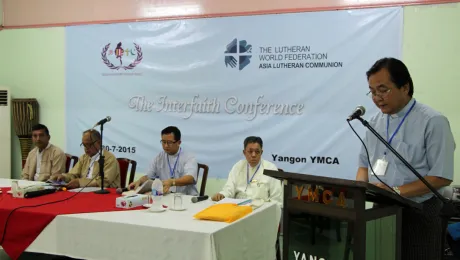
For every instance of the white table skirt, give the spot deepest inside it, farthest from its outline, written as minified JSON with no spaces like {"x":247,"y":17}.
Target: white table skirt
{"x":140,"y":234}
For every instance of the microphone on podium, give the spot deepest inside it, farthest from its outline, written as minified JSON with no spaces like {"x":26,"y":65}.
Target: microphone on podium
{"x":359,"y":111}
{"x":199,"y":198}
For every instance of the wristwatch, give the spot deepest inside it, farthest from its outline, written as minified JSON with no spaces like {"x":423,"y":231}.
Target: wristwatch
{"x":173,"y":182}
{"x":396,"y":189}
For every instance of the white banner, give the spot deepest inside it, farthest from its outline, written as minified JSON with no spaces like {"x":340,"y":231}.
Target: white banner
{"x":291,"y":79}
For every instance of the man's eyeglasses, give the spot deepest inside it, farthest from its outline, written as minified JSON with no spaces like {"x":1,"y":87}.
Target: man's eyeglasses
{"x":379,"y":93}
{"x":163,"y":142}
{"x":88,"y":146}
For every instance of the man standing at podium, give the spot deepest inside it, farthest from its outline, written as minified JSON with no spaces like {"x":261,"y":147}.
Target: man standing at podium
{"x":423,"y":137}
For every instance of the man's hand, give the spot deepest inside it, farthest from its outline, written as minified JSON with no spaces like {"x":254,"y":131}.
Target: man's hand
{"x":134,"y":185}
{"x":54,"y":175}
{"x":166,"y":185}
{"x":383,"y":186}
{"x":217,"y":197}
{"x":73,"y":184}
{"x":57,"y":177}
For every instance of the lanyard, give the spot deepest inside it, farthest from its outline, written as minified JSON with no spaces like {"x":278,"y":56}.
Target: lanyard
{"x":247,"y":173}
{"x":171,"y":171}
{"x":389,"y":139}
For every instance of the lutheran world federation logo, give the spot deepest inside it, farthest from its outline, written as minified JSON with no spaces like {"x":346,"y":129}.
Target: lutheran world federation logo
{"x":237,"y":54}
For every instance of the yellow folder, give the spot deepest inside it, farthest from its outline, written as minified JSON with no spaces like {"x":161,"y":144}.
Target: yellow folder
{"x":227,"y":212}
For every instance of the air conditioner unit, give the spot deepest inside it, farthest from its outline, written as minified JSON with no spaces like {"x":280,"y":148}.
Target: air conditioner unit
{"x":5,"y":133}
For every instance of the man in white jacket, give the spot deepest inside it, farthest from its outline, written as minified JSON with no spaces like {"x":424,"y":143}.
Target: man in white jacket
{"x":246,"y":179}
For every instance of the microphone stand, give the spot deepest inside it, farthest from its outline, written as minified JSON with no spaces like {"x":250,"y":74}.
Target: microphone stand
{"x":448,"y":209}
{"x":101,"y":166}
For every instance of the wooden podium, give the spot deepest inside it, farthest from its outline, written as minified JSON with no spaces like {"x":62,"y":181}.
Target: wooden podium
{"x":349,"y":204}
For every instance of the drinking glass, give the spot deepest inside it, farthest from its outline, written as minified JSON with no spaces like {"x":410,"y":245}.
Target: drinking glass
{"x":177,"y":201}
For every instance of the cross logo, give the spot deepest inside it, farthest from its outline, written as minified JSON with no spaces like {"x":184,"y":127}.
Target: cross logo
{"x":237,"y":53}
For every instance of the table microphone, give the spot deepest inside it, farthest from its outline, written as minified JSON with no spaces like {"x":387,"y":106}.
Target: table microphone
{"x":37,"y":193}
{"x":199,"y":198}
{"x":121,"y":190}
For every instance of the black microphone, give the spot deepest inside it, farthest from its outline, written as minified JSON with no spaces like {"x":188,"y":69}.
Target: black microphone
{"x":121,"y":190}
{"x":37,"y":193}
{"x":199,"y":198}
{"x":359,"y":111}
{"x":103,"y":121}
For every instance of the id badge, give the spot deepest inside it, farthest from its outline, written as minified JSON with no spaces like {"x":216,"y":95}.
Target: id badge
{"x":380,"y":167}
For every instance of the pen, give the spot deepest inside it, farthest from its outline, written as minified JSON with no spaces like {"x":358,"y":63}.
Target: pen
{"x":244,"y":202}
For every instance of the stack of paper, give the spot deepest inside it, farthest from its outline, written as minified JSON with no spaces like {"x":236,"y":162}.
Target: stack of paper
{"x":234,"y":201}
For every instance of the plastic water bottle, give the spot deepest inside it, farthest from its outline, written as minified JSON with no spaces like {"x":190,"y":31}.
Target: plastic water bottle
{"x":157,"y":187}
{"x":157,"y":193}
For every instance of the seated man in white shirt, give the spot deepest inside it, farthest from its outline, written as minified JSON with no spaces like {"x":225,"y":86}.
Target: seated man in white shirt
{"x":175,"y":167}
{"x":246,"y":179}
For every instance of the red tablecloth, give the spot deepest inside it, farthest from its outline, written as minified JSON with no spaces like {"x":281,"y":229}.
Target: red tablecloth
{"x":26,"y":224}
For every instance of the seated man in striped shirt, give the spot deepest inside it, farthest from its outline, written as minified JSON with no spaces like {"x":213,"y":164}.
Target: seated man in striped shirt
{"x":175,"y":167}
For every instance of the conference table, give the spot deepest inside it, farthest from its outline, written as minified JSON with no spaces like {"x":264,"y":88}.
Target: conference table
{"x":142,"y":234}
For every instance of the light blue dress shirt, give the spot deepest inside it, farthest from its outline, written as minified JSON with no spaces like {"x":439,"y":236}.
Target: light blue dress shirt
{"x":424,"y":139}
{"x":186,"y":165}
